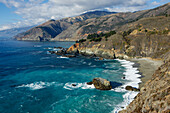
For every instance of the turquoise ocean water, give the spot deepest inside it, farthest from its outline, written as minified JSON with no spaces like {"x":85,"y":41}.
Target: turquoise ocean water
{"x":33,"y":81}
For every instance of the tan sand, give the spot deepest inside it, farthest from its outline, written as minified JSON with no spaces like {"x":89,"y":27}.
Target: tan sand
{"x":147,"y":67}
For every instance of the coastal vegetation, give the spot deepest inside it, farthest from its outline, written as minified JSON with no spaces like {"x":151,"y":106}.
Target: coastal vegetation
{"x":98,"y":37}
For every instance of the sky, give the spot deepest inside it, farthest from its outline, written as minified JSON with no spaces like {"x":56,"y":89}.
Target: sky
{"x":23,"y":13}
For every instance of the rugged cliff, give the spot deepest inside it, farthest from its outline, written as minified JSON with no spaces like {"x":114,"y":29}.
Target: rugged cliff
{"x":154,"y":97}
{"x":148,"y":37}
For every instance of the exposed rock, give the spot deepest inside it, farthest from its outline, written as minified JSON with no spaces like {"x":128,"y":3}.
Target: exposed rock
{"x":58,"y":48}
{"x":131,"y":88}
{"x":74,"y":85}
{"x":154,"y":97}
{"x":123,"y":77}
{"x":61,"y":51}
{"x":101,"y":58}
{"x":95,"y":51}
{"x":98,"y":52}
{"x":73,"y":49}
{"x":70,"y":56}
{"x":102,"y":84}
{"x":89,"y":83}
{"x":52,"y":52}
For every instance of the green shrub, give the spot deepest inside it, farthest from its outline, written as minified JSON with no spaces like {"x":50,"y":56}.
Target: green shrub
{"x":97,"y":37}
{"x":126,"y":33}
{"x":90,"y":36}
{"x":109,"y":34}
{"x":165,"y":31}
{"x":151,"y":32}
{"x":81,"y":41}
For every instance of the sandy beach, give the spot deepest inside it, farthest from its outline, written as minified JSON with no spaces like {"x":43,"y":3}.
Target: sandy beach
{"x":147,"y":67}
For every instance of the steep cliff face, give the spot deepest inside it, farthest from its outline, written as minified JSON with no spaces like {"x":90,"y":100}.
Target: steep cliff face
{"x":132,"y":46}
{"x":93,"y":51}
{"x":154,"y":97}
{"x":148,"y":37}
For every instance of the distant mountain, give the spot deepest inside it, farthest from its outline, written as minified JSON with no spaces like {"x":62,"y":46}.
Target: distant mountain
{"x":51,"y":28}
{"x":14,"y":31}
{"x":74,"y":28}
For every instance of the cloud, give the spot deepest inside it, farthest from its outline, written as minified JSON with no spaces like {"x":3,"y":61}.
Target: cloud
{"x":5,"y":27}
{"x":38,"y":11}
{"x":155,"y":3}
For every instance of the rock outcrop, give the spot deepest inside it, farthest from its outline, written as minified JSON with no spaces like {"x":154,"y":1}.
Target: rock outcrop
{"x":130,"y":88}
{"x":154,"y":97}
{"x":102,"y":84}
{"x":151,"y":40}
{"x":94,"y":51}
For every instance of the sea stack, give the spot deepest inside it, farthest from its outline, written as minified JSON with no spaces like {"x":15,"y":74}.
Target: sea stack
{"x":102,"y":84}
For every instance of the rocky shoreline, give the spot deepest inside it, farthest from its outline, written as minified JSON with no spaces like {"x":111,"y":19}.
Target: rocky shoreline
{"x":154,"y":86}
{"x":146,"y":66}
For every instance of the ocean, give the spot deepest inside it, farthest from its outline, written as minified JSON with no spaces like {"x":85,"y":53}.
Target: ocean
{"x":34,"y":81}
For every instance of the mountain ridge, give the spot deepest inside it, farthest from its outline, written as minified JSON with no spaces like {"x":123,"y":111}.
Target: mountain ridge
{"x":14,"y":31}
{"x":51,"y":28}
{"x":75,"y":28}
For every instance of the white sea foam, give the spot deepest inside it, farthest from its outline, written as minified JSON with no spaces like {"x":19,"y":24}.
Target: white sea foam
{"x":93,"y":66}
{"x":44,"y":58}
{"x":48,"y":48}
{"x":89,"y":63}
{"x":84,"y":62}
{"x":62,"y":57}
{"x":70,"y":86}
{"x":37,"y":45}
{"x":55,"y":49}
{"x":132,"y":80}
{"x":39,"y":85}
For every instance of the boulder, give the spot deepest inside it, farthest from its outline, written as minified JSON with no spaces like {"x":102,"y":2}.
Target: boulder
{"x":73,"y":49}
{"x":73,"y":84}
{"x":61,"y":51}
{"x":61,"y":54}
{"x":102,"y":84}
{"x":52,"y":52}
{"x":89,"y":83}
{"x":130,"y":88}
{"x":58,"y":48}
{"x":101,"y":58}
{"x":69,"y":56}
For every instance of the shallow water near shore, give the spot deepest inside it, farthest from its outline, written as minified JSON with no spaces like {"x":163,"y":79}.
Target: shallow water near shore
{"x":33,"y":81}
